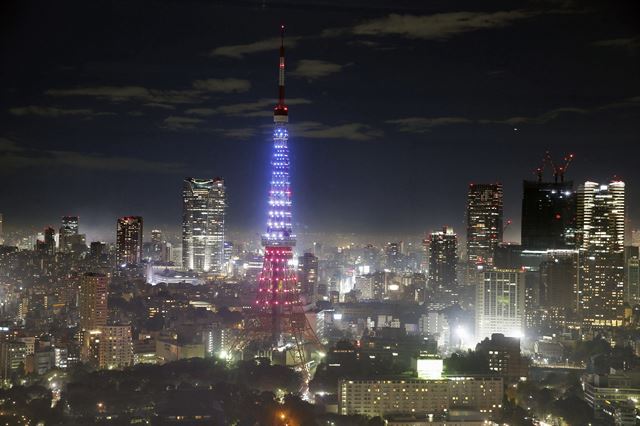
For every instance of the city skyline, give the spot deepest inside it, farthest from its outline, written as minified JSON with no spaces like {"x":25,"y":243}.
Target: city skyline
{"x":103,"y":118}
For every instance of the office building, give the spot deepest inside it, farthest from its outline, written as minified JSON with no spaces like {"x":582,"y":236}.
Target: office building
{"x":500,"y":304}
{"x":129,"y":240}
{"x":632,"y":275}
{"x":443,"y":262}
{"x":13,"y":356}
{"x":92,"y":301}
{"x":115,"y":348}
{"x":68,"y":230}
{"x":48,"y":244}
{"x":484,"y":222}
{"x":308,"y":276}
{"x":204,"y":204}
{"x":548,"y":215}
{"x":601,"y":216}
{"x":379,"y":397}
{"x":503,"y":354}
{"x":601,"y":227}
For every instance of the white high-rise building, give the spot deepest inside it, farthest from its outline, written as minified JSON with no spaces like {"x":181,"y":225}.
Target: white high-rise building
{"x":204,"y":204}
{"x":601,"y":216}
{"x":500,"y":304}
{"x":601,"y":229}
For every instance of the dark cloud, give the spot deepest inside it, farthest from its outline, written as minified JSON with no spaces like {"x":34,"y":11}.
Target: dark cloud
{"x":13,"y":157}
{"x":438,"y":26}
{"x":45,"y":111}
{"x":315,"y":68}
{"x":348,"y":131}
{"x":240,"y":50}
{"x":156,"y":97}
{"x":259,"y":108}
{"x":629,"y":43}
{"x":426,"y":124}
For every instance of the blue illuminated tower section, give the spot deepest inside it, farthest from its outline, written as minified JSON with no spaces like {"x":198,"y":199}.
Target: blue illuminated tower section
{"x":277,"y":296}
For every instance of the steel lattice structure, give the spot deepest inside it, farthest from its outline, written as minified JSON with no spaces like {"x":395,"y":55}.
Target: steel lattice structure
{"x":277,"y":319}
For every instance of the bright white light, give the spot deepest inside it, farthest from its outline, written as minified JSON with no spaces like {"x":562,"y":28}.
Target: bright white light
{"x":337,"y":316}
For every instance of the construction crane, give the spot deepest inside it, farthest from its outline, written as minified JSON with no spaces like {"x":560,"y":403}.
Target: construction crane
{"x":558,"y":170}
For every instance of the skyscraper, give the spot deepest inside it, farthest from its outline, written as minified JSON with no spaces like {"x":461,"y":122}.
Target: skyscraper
{"x":548,"y":215}
{"x":601,"y":223}
{"x":601,"y":214}
{"x":484,"y":222}
{"x":93,"y":301}
{"x":48,"y":245}
{"x":308,"y":276}
{"x":500,"y":299}
{"x":204,"y":203}
{"x":443,"y":261}
{"x":68,"y":229}
{"x":632,"y":275}
{"x":129,"y":240}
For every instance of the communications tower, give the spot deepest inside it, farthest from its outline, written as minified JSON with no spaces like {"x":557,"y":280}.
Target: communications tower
{"x":278,"y":321}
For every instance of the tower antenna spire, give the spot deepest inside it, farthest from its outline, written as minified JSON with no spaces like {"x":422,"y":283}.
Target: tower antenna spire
{"x":281,"y":111}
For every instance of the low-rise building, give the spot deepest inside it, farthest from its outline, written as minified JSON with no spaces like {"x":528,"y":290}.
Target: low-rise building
{"x":379,"y":397}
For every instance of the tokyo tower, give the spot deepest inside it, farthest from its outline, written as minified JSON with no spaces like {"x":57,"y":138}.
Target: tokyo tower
{"x":278,"y":320}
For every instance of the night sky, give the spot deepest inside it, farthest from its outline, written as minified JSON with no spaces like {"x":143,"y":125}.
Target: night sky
{"x":395,"y":107}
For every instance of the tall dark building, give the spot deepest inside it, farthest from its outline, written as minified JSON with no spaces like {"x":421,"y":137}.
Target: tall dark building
{"x":484,"y":222}
{"x":443,"y":261}
{"x":129,"y":240}
{"x":47,"y":246}
{"x":308,"y":276}
{"x":548,"y":215}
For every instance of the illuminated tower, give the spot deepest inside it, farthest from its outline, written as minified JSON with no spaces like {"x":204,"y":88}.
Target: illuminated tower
{"x":280,"y":317}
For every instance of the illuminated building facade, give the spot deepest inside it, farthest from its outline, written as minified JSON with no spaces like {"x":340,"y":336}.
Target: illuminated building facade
{"x":601,"y":225}
{"x":204,"y":204}
{"x":67,"y":232}
{"x":380,"y":397}
{"x":484,"y":222}
{"x":500,"y":304}
{"x":129,"y":240}
{"x":443,"y":261}
{"x":93,"y":300}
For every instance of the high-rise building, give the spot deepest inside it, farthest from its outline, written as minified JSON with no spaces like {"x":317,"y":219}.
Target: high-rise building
{"x":548,"y":215}
{"x":68,"y":229}
{"x":204,"y":204}
{"x":129,"y":240}
{"x":48,"y":244}
{"x":158,"y":249}
{"x":92,"y":301}
{"x":308,"y":276}
{"x":394,"y":257}
{"x":601,"y":225}
{"x":632,"y":275}
{"x":115,"y":347}
{"x":601,"y":214}
{"x":484,"y":222}
{"x":443,"y":261}
{"x":500,"y":300}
